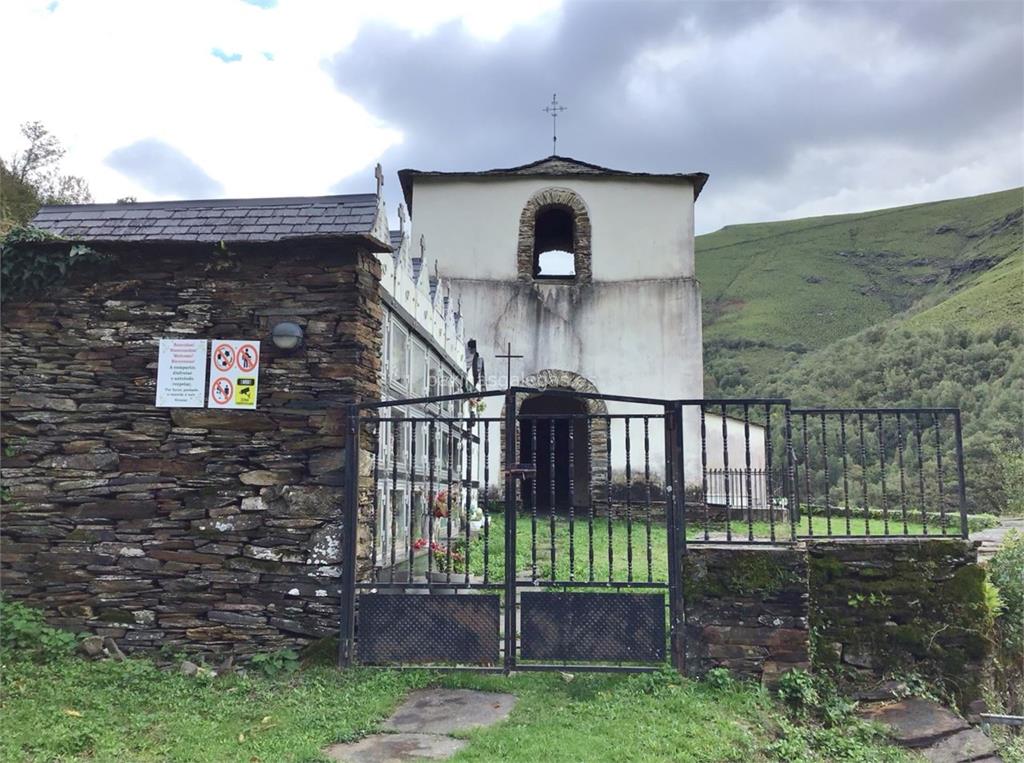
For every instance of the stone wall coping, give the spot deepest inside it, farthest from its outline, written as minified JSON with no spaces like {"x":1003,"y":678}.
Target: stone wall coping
{"x":892,"y":540}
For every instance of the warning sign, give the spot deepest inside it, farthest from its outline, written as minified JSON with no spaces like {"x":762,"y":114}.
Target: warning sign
{"x":223,"y":357}
{"x":248,"y":358}
{"x":221,"y":390}
{"x":245,"y":392}
{"x":234,"y":373}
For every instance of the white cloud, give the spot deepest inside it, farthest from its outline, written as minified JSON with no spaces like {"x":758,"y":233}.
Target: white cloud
{"x":102,"y":75}
{"x":837,"y":179}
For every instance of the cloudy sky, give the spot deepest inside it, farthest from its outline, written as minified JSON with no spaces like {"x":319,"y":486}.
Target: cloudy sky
{"x":794,"y":109}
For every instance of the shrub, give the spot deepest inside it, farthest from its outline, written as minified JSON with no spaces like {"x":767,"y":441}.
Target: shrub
{"x":1006,"y":571}
{"x":275,"y":663}
{"x":24,"y":634}
{"x":719,"y":678}
{"x":815,"y":697}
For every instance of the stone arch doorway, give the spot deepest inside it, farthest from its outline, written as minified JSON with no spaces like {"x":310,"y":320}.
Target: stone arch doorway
{"x":554,"y":436}
{"x":589,"y":440}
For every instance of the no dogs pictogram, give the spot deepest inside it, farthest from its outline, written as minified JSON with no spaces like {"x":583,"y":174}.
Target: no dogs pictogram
{"x":224,"y":357}
{"x":248,"y":357}
{"x":222,"y":390}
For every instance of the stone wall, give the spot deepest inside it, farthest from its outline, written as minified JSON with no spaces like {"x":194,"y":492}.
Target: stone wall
{"x":191,"y":529}
{"x":900,"y":605}
{"x":745,"y":610}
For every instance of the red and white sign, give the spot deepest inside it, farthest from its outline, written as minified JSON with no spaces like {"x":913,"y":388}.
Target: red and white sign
{"x":222,"y":391}
{"x":234,"y":373}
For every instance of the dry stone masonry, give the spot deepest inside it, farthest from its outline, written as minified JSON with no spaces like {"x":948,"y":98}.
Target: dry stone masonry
{"x":746,"y":610}
{"x":189,"y":529}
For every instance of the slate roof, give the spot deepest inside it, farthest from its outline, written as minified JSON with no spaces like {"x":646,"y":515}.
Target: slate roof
{"x":549,"y":166}
{"x":396,"y":239}
{"x":215,"y":220}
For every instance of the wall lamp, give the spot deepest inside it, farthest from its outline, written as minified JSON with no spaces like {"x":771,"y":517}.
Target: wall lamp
{"x":286,"y":335}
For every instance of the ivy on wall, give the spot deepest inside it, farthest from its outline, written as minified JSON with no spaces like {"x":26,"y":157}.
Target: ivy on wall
{"x":30,"y":263}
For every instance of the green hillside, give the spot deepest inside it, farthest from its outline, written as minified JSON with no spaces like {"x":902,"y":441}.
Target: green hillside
{"x":802,"y":284}
{"x":919,"y":305}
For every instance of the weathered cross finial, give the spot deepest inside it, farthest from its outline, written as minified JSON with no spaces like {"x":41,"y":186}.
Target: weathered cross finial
{"x":378,"y":173}
{"x":508,"y":356}
{"x":554,"y":108}
{"x":423,"y":247}
{"x":403,"y":217}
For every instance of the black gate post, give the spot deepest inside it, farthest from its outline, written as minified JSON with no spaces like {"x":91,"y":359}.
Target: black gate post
{"x":510,"y":531}
{"x":961,"y":482}
{"x":349,"y":538}
{"x":675,"y":522}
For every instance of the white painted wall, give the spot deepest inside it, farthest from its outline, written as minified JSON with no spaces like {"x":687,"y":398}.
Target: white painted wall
{"x":636,"y":330}
{"x":641,"y":227}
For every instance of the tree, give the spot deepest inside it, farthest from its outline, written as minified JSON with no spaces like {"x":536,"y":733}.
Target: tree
{"x":33,"y":177}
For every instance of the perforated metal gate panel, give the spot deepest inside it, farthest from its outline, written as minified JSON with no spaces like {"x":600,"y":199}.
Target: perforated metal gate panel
{"x":620,"y":627}
{"x":439,"y":628}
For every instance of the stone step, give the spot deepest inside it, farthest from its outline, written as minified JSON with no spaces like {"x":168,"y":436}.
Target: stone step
{"x":936,"y":733}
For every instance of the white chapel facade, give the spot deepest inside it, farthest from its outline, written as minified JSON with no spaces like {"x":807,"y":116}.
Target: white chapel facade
{"x":627,"y":318}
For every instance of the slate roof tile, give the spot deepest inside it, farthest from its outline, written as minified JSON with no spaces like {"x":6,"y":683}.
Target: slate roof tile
{"x":264,"y":220}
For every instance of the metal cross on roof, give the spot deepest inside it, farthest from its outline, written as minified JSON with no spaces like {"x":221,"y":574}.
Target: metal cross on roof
{"x":508,"y":357}
{"x":554,"y":109}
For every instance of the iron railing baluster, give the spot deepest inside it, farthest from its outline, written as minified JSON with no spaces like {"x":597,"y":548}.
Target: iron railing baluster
{"x":553,"y":498}
{"x":704,"y":472}
{"x":375,"y":487}
{"x":725,"y":467}
{"x":881,"y":461}
{"x":792,"y":496}
{"x":448,"y":506}
{"x":590,"y":498}
{"x":827,"y":477}
{"x":412,"y":496}
{"x":431,"y":491}
{"x":807,"y":480}
{"x":846,"y":479}
{"x":487,"y":514}
{"x":920,"y":473}
{"x":467,"y":488}
{"x":533,"y":498}
{"x":769,"y":501}
{"x":864,"y":474}
{"x":608,"y":460}
{"x":943,"y":520}
{"x":750,"y":491}
{"x":647,"y":490}
{"x":629,"y":506}
{"x":903,"y":481}
{"x":571,"y":427}
{"x":393,"y":497}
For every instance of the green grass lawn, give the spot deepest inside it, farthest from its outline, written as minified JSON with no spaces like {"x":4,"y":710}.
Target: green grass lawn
{"x":73,"y":710}
{"x":620,"y":545}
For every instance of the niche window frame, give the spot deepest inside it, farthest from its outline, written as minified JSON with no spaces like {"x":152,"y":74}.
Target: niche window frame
{"x":527,"y":256}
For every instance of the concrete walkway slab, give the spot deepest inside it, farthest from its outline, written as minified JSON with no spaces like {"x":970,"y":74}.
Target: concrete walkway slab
{"x":992,"y":539}
{"x":392,"y":748}
{"x":449,"y":711}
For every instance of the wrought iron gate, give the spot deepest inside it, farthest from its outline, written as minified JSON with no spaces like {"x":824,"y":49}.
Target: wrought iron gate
{"x":502,"y":542}
{"x":539,"y":529}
